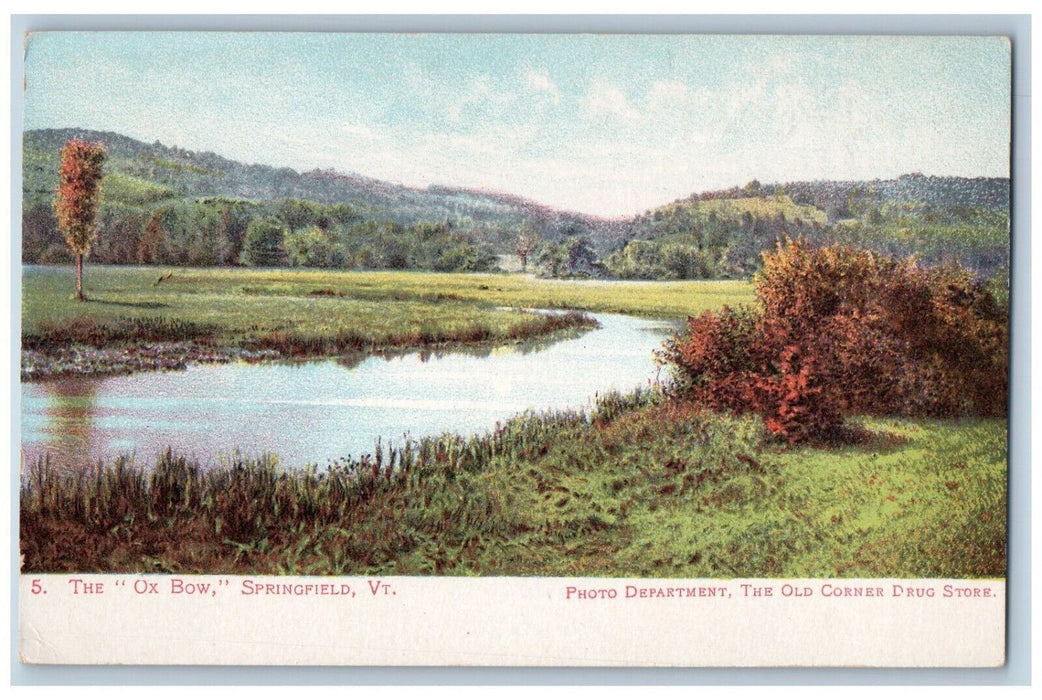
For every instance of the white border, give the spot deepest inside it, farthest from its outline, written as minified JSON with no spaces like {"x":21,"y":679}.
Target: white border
{"x":1020,"y":557}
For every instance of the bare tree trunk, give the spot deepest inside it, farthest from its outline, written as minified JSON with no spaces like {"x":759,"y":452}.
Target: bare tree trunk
{"x":79,"y":277}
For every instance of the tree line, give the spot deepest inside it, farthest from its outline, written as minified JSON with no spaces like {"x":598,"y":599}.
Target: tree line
{"x":225,"y":231}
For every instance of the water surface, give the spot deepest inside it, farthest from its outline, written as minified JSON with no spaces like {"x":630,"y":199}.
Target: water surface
{"x":315,"y":412}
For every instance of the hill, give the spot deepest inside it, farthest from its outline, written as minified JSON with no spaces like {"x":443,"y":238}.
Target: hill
{"x":843,"y":199}
{"x":171,"y":206}
{"x":722,"y":233}
{"x":139,"y":173}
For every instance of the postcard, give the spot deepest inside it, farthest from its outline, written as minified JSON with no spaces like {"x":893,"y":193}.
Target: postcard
{"x":514,"y":349}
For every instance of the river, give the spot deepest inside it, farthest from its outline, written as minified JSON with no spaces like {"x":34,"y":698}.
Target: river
{"x":315,"y":412}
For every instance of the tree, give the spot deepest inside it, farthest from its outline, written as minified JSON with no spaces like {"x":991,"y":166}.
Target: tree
{"x":526,"y":244}
{"x":77,"y":199}
{"x":581,"y":257}
{"x":752,"y":189}
{"x":152,"y":240}
{"x":299,"y":213}
{"x":263,"y":243}
{"x":553,"y":260}
{"x":40,"y":233}
{"x":308,"y":247}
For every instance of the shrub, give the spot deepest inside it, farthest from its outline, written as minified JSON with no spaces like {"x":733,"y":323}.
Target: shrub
{"x":842,"y":332}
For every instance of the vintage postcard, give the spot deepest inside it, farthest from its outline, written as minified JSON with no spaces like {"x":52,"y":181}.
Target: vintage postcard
{"x":514,"y":349}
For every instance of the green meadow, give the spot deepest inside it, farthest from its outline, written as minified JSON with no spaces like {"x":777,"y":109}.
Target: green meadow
{"x":234,"y":306}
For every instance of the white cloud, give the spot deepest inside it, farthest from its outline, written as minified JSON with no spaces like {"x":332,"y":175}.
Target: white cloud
{"x":359,"y":131}
{"x":607,"y":101}
{"x":541,"y":83}
{"x":666,"y":93}
{"x":480,"y":93}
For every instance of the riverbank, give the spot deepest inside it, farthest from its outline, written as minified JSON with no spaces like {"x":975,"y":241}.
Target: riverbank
{"x":83,"y":360}
{"x":145,"y":318}
{"x":84,"y":347}
{"x":636,"y":486}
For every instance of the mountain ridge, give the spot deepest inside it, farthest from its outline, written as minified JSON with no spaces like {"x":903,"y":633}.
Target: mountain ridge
{"x":323,"y":185}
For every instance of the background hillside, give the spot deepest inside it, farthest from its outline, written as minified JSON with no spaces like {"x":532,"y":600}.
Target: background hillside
{"x":152,"y":172}
{"x":722,"y":233}
{"x":166,"y":205}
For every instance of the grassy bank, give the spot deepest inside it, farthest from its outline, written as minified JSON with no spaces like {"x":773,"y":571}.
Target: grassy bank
{"x":638,"y":487}
{"x":219,"y":313}
{"x":240,"y":303}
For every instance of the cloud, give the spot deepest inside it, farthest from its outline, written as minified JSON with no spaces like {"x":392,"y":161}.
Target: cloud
{"x":541,"y":83}
{"x":604,"y":101}
{"x":665,"y":93}
{"x":359,"y":131}
{"x":481,"y":97}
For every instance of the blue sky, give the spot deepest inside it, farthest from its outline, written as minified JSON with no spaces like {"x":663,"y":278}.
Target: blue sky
{"x":608,"y":125}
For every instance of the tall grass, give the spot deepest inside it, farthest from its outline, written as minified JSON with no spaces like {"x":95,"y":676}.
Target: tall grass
{"x":297,"y":344}
{"x":84,"y":330}
{"x":633,"y":486}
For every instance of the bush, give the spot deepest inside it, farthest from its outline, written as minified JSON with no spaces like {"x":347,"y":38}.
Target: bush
{"x":844,"y":332}
{"x":658,"y":260}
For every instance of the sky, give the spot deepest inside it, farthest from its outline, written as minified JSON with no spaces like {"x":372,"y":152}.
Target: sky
{"x":609,"y":125}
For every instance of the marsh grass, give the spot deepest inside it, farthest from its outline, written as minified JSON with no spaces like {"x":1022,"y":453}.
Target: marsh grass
{"x":634,"y":486}
{"x":266,"y":314}
{"x":347,"y":341}
{"x":84,"y":330}
{"x":209,"y":316}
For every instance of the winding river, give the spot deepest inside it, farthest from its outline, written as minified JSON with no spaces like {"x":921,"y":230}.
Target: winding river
{"x":315,"y":412}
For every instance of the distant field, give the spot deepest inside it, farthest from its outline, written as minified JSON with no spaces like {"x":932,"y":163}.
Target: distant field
{"x":244,"y":303}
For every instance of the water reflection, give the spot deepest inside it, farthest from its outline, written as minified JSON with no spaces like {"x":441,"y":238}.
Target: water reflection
{"x":314,"y":412}
{"x":522,"y":347}
{"x":66,"y":425}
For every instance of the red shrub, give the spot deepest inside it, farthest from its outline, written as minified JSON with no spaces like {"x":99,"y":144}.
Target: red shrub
{"x":847,"y":332}
{"x":718,"y":357}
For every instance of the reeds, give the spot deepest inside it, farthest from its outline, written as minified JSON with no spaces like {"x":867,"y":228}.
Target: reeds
{"x":83,"y":330}
{"x":251,"y":499}
{"x":346,"y":341}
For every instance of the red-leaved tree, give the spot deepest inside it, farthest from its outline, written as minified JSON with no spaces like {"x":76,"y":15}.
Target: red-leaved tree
{"x":78,"y":198}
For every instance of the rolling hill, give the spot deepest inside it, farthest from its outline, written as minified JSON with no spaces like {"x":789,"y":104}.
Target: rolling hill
{"x":139,"y":173}
{"x":173,"y":206}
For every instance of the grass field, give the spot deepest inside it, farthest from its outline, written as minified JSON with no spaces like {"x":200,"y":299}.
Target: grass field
{"x":761,"y":207}
{"x":238,"y":300}
{"x":640,"y":487}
